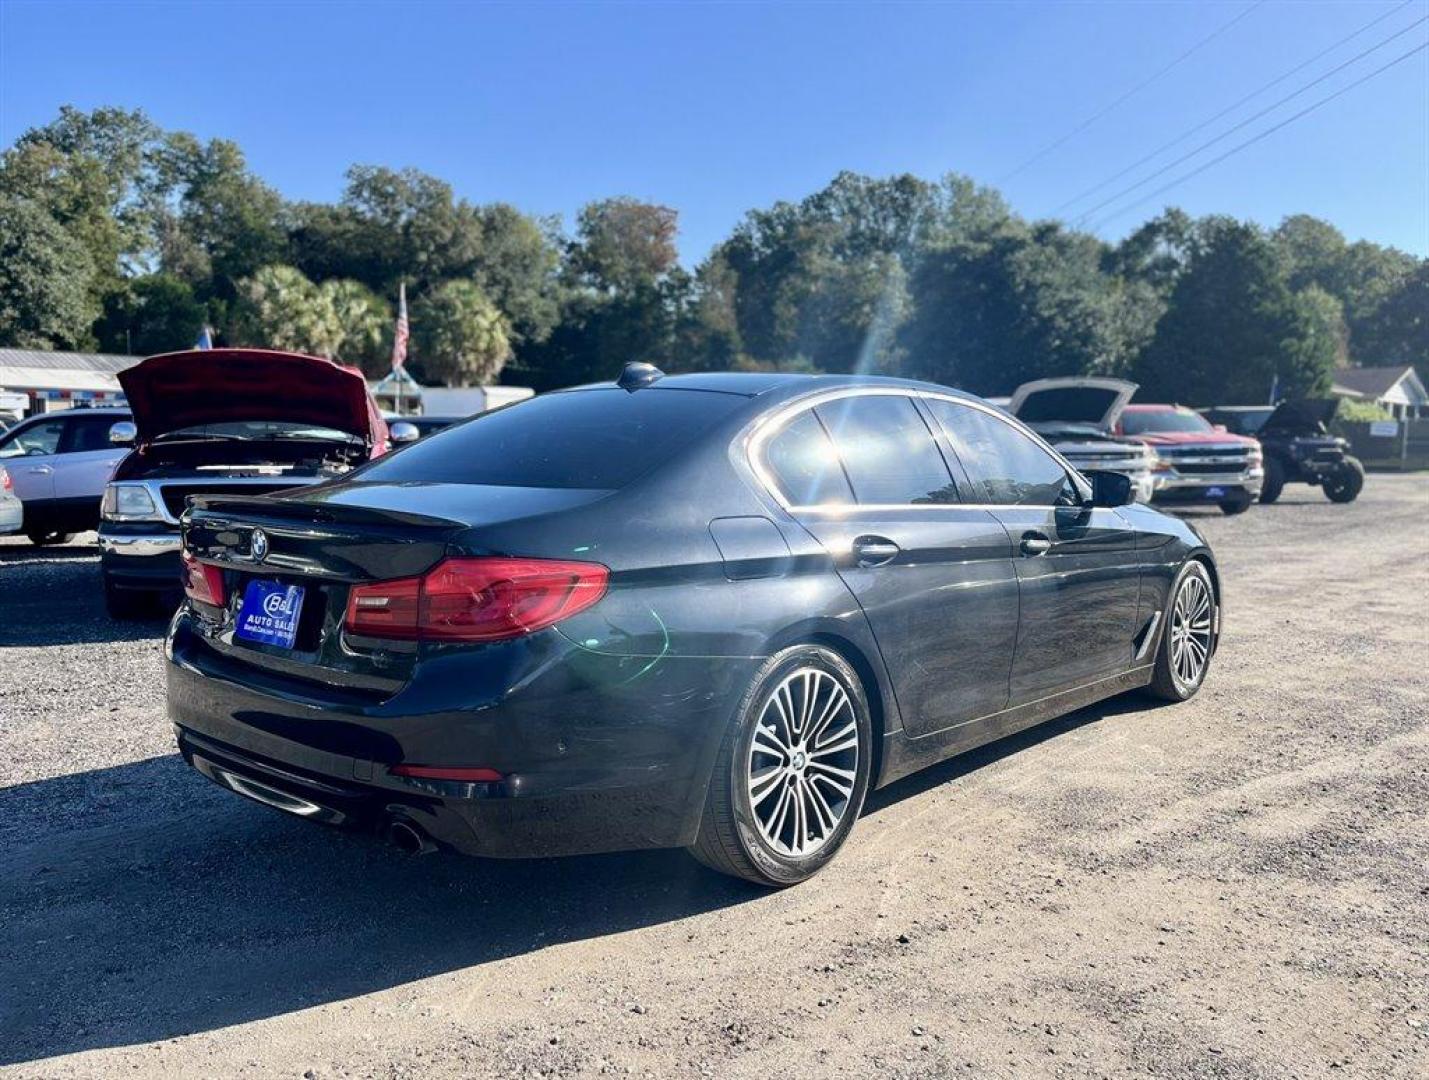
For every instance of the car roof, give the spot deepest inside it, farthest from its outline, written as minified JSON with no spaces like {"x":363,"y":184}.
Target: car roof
{"x":756,"y":383}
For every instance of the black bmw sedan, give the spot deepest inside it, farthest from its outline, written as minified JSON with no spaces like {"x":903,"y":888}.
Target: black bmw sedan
{"x":708,"y":611}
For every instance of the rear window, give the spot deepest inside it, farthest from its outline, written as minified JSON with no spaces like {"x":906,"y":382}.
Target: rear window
{"x":600,"y":439}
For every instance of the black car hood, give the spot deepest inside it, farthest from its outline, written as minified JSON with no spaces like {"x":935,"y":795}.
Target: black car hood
{"x":1304,"y":414}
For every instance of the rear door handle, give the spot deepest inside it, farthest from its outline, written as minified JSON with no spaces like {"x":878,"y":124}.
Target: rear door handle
{"x":1034,"y":543}
{"x":39,"y":470}
{"x":874,"y":550}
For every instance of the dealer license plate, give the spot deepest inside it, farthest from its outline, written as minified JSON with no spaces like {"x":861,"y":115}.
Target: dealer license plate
{"x":269,"y":613}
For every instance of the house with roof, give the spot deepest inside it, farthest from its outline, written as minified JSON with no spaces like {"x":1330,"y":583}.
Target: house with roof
{"x":1397,"y":387}
{"x":59,"y":380}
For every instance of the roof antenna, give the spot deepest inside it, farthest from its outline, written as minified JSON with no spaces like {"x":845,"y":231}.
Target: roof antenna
{"x":637,"y":376}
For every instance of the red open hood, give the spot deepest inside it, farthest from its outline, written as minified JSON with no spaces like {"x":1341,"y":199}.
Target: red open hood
{"x":214,"y":386}
{"x":1189,"y":438}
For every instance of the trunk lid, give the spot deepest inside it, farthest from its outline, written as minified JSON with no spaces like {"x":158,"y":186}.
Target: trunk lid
{"x":329,"y":538}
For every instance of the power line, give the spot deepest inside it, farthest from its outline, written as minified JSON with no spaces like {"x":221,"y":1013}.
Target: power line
{"x":1089,"y":121}
{"x":1164,"y":169}
{"x":1228,"y":109}
{"x":1260,"y":135}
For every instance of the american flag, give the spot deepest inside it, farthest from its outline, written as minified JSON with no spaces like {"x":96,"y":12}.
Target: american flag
{"x":399,"y":339}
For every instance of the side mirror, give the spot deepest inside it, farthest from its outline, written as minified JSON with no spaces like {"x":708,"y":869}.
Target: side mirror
{"x":1110,"y":489}
{"x":1221,"y":428}
{"x":403,"y":433}
{"x":123,"y":433}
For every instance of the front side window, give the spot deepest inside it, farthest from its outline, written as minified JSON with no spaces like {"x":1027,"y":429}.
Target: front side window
{"x":41,"y":438}
{"x":86,"y":435}
{"x":805,"y":464}
{"x":1012,"y":469}
{"x":887,"y":450}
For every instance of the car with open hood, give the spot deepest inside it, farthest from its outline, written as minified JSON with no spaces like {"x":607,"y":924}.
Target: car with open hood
{"x":1298,"y":446}
{"x":1078,"y":416}
{"x":214,"y":421}
{"x":1198,"y":462}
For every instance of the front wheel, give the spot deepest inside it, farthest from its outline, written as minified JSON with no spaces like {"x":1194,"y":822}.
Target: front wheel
{"x":1238,"y":505}
{"x":49,"y":537}
{"x":792,"y":771}
{"x":1346,"y":482}
{"x":1189,"y":639}
{"x":1274,"y":481}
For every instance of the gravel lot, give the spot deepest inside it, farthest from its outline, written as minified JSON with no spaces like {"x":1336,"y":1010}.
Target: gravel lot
{"x":1238,"y":886}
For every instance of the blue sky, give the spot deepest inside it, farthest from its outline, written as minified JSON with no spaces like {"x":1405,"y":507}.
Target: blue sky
{"x":717,"y":108}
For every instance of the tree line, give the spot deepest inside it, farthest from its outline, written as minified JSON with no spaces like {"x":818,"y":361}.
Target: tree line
{"x":119,"y":236}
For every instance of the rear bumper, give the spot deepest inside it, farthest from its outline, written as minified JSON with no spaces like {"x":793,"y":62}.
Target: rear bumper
{"x":140,"y":560}
{"x":12,"y":516}
{"x":587,"y":765}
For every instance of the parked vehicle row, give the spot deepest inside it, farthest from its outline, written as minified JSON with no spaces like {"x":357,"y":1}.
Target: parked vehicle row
{"x":708,"y":611}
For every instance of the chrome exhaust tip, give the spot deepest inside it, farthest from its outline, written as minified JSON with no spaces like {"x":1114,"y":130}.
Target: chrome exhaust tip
{"x":408,"y":838}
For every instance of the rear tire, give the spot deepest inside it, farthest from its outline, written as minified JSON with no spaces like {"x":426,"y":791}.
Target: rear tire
{"x":1346,"y":483}
{"x":792,"y":771}
{"x":1188,"y":637}
{"x":45,"y":539}
{"x":1274,"y":480}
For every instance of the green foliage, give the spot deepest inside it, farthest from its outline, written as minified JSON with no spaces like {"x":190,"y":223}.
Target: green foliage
{"x":45,"y":272}
{"x":1232,"y":326}
{"x":460,"y":335}
{"x":1351,"y":411}
{"x":116,"y":231}
{"x":155,"y":313}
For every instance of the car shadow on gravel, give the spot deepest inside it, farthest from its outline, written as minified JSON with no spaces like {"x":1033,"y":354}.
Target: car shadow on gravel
{"x":140,"y":903}
{"x":54,"y":596}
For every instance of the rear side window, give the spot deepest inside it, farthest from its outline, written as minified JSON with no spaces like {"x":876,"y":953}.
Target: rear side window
{"x":600,"y":439}
{"x":1012,"y":468}
{"x":806,"y":465}
{"x":887,"y":450}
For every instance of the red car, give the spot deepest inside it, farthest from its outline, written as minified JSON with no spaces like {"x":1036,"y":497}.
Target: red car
{"x":1197,"y":462}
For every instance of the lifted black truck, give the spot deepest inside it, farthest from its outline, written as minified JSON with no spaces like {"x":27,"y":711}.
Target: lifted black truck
{"x":1298,"y":446}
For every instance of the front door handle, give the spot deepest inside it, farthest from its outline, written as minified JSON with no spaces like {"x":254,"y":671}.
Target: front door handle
{"x":874,"y":550}
{"x":1034,"y":543}
{"x":39,"y":470}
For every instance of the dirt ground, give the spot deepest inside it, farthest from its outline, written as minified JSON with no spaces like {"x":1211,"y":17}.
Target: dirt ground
{"x":1238,"y":886}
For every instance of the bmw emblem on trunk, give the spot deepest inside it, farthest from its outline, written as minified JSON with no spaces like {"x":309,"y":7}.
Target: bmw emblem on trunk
{"x":258,"y":545}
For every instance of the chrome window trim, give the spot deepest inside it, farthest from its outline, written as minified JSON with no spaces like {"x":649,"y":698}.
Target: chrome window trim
{"x":769,"y":426}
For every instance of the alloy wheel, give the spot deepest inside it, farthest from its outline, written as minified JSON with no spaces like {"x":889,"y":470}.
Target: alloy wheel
{"x":803,"y":762}
{"x":1191,"y":630}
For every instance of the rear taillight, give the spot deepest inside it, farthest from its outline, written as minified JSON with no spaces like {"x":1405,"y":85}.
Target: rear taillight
{"x":202,"y":582}
{"x":475,"y":599}
{"x":465,"y":774}
{"x":6,"y":484}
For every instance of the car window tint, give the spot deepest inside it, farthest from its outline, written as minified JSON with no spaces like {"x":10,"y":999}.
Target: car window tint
{"x":89,"y":435}
{"x":805,"y":464}
{"x":1011,"y":467}
{"x":41,"y":438}
{"x":600,"y":439}
{"x":887,"y":450}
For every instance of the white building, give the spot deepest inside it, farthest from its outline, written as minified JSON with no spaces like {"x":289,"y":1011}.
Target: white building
{"x":1397,"y":387}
